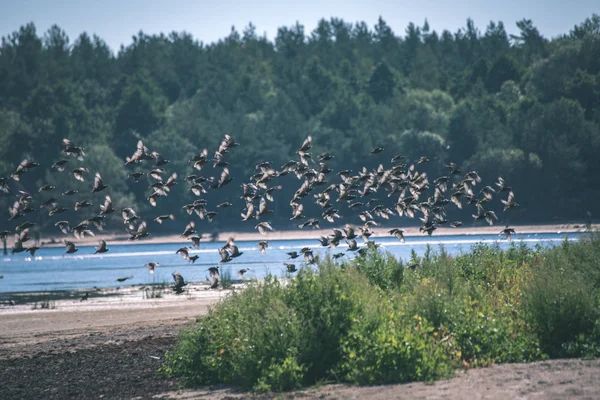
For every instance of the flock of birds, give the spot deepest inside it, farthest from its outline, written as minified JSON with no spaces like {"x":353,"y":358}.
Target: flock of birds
{"x":355,"y":191}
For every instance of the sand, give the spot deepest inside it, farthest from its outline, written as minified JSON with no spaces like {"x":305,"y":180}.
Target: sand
{"x":120,"y":239}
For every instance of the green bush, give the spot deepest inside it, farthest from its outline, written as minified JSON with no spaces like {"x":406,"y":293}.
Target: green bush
{"x":381,"y":269}
{"x":372,"y":321}
{"x":561,"y":299}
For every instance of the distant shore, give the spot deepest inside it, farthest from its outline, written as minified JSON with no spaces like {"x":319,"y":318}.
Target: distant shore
{"x":301,"y":234}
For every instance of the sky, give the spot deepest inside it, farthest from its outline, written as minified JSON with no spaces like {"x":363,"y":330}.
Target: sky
{"x":116,"y":21}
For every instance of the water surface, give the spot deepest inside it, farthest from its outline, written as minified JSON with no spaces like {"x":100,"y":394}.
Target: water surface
{"x":51,"y":269}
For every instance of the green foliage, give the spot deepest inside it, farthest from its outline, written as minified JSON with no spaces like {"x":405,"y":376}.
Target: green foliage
{"x":562,"y":299}
{"x":371,"y":321}
{"x":528,"y":111}
{"x":381,"y":269}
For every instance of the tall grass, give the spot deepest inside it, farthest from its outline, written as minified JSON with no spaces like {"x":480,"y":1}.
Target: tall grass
{"x":372,"y":320}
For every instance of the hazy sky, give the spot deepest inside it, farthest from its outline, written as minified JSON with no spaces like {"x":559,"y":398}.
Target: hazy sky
{"x":116,"y":21}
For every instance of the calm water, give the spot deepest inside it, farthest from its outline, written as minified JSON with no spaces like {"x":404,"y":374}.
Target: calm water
{"x":51,"y":269}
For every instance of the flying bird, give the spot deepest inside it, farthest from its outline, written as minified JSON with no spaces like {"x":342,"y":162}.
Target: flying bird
{"x":78,"y":173}
{"x":179,"y":283}
{"x":262,"y":227}
{"x":291,"y":268}
{"x":71,"y":248}
{"x":262,"y":246}
{"x":98,"y":184}
{"x":151,"y":266}
{"x":161,"y":218}
{"x":242,"y":271}
{"x":101,"y":248}
{"x":399,"y":233}
{"x":508,"y":232}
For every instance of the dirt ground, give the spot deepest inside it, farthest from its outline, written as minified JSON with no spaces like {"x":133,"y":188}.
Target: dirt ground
{"x":110,"y":347}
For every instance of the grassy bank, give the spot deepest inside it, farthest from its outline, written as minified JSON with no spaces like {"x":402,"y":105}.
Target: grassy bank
{"x":375,"y":320}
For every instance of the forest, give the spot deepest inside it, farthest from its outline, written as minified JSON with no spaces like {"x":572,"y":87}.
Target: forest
{"x":523,"y":107}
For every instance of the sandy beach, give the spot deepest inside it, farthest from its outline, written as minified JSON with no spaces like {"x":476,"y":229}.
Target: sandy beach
{"x":55,"y":346}
{"x":381,"y":231}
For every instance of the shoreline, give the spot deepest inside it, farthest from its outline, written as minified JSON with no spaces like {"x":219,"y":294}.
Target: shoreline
{"x":113,"y":238}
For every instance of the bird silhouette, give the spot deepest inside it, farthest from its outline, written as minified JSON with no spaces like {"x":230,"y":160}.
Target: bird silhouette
{"x":242,"y":271}
{"x":179,"y":283}
{"x":71,"y":248}
{"x":508,"y":232}
{"x":101,"y":248}
{"x":291,"y":268}
{"x":151,"y":265}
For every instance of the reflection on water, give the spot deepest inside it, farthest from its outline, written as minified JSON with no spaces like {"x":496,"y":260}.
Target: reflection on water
{"x":51,"y":269}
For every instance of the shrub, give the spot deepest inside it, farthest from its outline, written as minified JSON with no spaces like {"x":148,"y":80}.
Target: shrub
{"x":561,"y":303}
{"x":381,"y":269}
{"x":373,"y":321}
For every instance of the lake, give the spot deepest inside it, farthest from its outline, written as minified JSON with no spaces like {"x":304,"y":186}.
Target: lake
{"x":51,"y":269}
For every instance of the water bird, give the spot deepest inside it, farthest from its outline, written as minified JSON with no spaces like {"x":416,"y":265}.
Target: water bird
{"x":200,"y":159}
{"x":63,"y":226}
{"x":213,"y":271}
{"x":502,"y":185}
{"x":291,"y":268}
{"x":72,"y":150}
{"x":25,"y":225}
{"x":262,"y":246}
{"x":32,"y":250}
{"x":161,"y":218}
{"x":71,"y":248}
{"x":225,"y":256}
{"x":123,"y":279}
{"x":179,"y":283}
{"x":101,"y":248}
{"x":214,"y":284}
{"x":98,"y":184}
{"x":46,"y":188}
{"x":508,"y":232}
{"x":135,"y":176}
{"x":151,"y":266}
{"x":454,"y":169}
{"x":23,"y":167}
{"x":17,"y":246}
{"x":78,"y":173}
{"x":262,"y":227}
{"x":510,"y":201}
{"x":160,"y":160}
{"x":352,"y":245}
{"x":60,"y":165}
{"x":399,"y":233}
{"x":325,"y":157}
{"x":306,"y":145}
{"x":189,"y":229}
{"x":293,"y":254}
{"x":242,"y":271}
{"x":156,"y":173}
{"x":82,"y":204}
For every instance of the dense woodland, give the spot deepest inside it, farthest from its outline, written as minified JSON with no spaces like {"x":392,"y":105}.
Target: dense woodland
{"x":523,"y":107}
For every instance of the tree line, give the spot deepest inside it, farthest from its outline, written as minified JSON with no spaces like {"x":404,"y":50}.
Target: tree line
{"x":523,"y":107}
